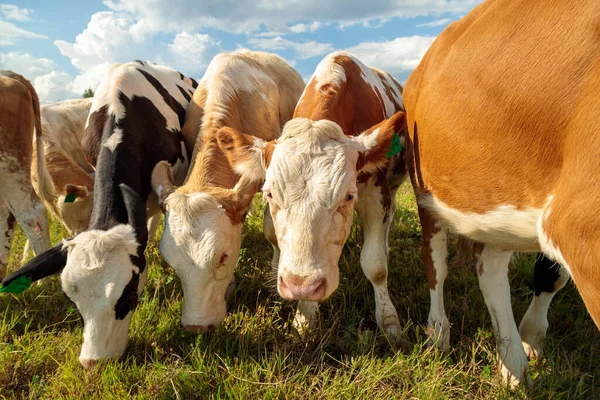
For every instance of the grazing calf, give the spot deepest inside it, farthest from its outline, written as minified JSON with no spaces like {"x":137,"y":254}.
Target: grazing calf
{"x":331,"y":155}
{"x":245,"y":91}
{"x":19,"y":117}
{"x":503,"y":124}
{"x":134,"y":123}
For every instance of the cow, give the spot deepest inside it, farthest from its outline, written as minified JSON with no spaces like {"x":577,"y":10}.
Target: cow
{"x":134,"y":123}
{"x":253,"y":92}
{"x":333,"y":156}
{"x":503,"y":122}
{"x":19,"y":118}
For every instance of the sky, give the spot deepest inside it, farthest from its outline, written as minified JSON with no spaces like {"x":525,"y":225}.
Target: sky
{"x":65,"y":46}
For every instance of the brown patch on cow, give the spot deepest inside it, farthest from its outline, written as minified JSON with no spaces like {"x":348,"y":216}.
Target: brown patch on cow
{"x":380,"y":277}
{"x":248,"y":112}
{"x":92,"y":139}
{"x":11,"y":221}
{"x":17,"y":121}
{"x":429,"y":230}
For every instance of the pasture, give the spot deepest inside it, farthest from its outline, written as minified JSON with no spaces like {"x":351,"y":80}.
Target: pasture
{"x":256,"y":354}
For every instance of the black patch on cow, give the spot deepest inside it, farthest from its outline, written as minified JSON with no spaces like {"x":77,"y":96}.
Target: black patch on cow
{"x":129,"y":298}
{"x":139,"y":62}
{"x":185,"y":93}
{"x":10,"y":225}
{"x":169,"y":100}
{"x":545,"y":275}
{"x":194,"y":83}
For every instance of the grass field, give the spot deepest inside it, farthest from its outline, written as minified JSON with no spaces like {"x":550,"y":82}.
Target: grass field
{"x":257,"y":354}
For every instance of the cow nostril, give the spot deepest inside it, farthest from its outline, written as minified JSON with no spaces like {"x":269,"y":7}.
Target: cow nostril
{"x":88,"y":363}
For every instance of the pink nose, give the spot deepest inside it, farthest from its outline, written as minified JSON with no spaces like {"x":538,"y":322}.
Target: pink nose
{"x":200,"y":328}
{"x":295,"y":287}
{"x":88,"y":363}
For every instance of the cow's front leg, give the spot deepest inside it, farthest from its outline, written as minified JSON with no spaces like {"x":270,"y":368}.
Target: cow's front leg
{"x":376,"y":206}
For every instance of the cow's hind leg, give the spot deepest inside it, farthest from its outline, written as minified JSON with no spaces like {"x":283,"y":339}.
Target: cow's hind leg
{"x":7,"y":233}
{"x":434,"y":251}
{"x":492,"y":269}
{"x":306,"y":312}
{"x":548,"y":279}
{"x":376,"y":207}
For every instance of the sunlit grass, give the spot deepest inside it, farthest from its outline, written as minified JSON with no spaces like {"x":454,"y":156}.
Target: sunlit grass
{"x":256,"y":353}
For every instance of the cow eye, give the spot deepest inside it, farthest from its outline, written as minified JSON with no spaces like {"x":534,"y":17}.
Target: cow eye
{"x":269,"y":195}
{"x":349,"y":197}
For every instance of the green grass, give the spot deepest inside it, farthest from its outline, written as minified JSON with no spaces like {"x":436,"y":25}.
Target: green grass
{"x":257,"y":354}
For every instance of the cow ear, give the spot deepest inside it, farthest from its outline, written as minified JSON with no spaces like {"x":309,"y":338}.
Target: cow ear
{"x":48,"y":263}
{"x":162,"y":182}
{"x":75,"y":191}
{"x":249,"y":156}
{"x":380,"y":142}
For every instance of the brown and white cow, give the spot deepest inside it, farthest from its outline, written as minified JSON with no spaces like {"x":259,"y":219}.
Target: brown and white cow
{"x":503,"y":115}
{"x":253,"y":92}
{"x":19,"y":118}
{"x":331,"y":155}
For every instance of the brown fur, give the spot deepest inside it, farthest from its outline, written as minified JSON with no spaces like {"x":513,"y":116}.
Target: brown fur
{"x":504,"y":109}
{"x":210,"y":171}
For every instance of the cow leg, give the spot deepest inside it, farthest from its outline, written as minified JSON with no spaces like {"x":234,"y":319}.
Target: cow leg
{"x":548,"y":279}
{"x":492,"y":269}
{"x":26,"y":251}
{"x":376,"y":207}
{"x":306,"y":312}
{"x":435,"y":260}
{"x":7,"y":233}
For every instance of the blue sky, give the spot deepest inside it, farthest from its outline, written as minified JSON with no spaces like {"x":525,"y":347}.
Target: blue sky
{"x":64,"y":46}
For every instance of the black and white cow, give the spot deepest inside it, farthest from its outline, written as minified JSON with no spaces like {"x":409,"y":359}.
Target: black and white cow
{"x":135,"y":122}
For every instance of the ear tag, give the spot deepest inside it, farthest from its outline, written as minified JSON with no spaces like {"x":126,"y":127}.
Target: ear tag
{"x":70,"y":197}
{"x":395,"y":147}
{"x":17,"y":286}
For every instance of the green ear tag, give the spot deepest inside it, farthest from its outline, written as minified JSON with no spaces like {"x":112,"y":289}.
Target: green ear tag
{"x":17,"y":286}
{"x":395,"y":147}
{"x":70,"y":197}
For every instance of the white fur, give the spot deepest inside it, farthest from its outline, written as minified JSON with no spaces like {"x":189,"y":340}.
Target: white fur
{"x":197,"y":233}
{"x":113,"y":141}
{"x":438,"y":325}
{"x":494,"y":285}
{"x":328,"y":71}
{"x":98,"y":269}
{"x":505,"y":227}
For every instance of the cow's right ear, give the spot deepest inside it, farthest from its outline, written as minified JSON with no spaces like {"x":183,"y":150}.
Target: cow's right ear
{"x":162,"y":182}
{"x":248,"y":155}
{"x":48,"y":263}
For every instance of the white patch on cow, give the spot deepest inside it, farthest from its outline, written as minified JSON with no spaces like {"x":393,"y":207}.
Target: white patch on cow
{"x":494,"y":285}
{"x":227,"y":76}
{"x":196,"y":237}
{"x":547,"y":245}
{"x":126,"y":79}
{"x":113,"y":141}
{"x":376,"y":84}
{"x":97,"y":270}
{"x":438,"y":325}
{"x":392,"y":83}
{"x":253,"y":165}
{"x":505,"y":227}
{"x":328,"y":71}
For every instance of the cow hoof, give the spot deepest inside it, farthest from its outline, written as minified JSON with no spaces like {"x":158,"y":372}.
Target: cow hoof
{"x":438,"y":335}
{"x":392,"y":329}
{"x":533,"y":351}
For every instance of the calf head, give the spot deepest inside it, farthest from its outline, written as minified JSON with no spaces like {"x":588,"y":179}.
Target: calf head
{"x":201,"y":241}
{"x":75,"y":207}
{"x":310,"y":185}
{"x":103,"y":273}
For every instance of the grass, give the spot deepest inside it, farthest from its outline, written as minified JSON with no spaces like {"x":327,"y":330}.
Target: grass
{"x":256,"y":354}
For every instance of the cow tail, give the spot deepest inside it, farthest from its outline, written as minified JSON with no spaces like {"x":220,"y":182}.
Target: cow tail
{"x":44,"y":180}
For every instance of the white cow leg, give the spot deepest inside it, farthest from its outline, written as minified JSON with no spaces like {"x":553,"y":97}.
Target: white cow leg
{"x":376,"y":221}
{"x":7,"y":233}
{"x":548,"y":279}
{"x":492,"y":269}
{"x":26,"y":251}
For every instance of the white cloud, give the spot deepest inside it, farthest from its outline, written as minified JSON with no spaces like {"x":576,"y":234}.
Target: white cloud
{"x":252,"y":17}
{"x":437,"y":22}
{"x":54,"y":86}
{"x":302,"y":51}
{"x":10,"y":11}
{"x":195,"y":49}
{"x":395,"y":56}
{"x":25,"y":64}
{"x":312,"y":27}
{"x":9,"y":33}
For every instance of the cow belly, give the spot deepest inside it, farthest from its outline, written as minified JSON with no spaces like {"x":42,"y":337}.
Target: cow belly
{"x":505,"y":227}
